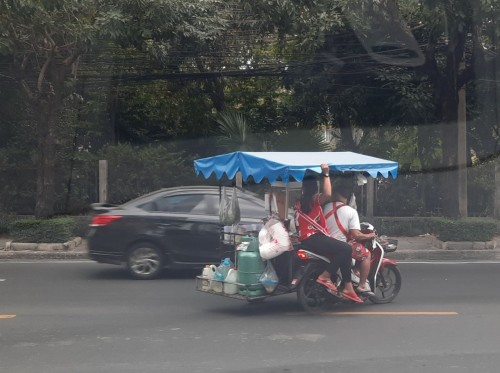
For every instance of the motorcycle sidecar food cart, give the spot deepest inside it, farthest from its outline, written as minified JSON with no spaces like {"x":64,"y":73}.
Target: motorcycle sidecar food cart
{"x":284,"y":172}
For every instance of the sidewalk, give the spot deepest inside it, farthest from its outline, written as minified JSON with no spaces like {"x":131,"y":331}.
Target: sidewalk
{"x":420,"y":248}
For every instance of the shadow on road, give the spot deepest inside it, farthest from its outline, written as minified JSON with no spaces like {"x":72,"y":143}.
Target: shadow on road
{"x":286,"y":305}
{"x":121,"y":273}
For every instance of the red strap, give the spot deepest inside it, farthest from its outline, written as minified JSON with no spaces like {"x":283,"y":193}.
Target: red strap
{"x":312,"y":222}
{"x":337,"y":220}
{"x":332,"y":211}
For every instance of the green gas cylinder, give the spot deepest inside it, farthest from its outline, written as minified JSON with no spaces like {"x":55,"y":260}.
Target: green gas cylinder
{"x":250,"y":267}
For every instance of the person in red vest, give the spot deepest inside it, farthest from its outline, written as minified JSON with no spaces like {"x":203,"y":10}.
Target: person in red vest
{"x":313,"y":233}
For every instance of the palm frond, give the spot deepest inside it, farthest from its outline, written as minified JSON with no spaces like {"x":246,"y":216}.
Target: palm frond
{"x":234,"y":133}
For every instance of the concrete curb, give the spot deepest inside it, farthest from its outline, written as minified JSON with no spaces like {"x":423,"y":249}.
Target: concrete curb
{"x":73,"y":249}
{"x":428,"y":247}
{"x":42,"y":255}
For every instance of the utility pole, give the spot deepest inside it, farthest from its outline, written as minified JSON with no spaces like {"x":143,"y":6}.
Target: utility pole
{"x":370,"y":196}
{"x":103,"y":181}
{"x":462,"y":154}
{"x":496,"y":113}
{"x":497,"y":188}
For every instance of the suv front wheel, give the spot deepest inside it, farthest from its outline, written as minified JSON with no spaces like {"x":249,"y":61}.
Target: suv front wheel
{"x":144,"y":261}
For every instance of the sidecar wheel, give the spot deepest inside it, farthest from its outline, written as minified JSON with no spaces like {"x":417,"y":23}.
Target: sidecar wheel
{"x":387,"y":286}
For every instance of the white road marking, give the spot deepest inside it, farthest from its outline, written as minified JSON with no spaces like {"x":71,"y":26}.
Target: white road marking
{"x":454,"y":262}
{"x":381,"y":313}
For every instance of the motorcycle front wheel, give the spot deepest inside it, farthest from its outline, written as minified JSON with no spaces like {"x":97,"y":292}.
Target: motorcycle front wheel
{"x":387,"y":286}
{"x":313,"y":297}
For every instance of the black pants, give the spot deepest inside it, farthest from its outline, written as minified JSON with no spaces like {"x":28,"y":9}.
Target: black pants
{"x":339,"y":253}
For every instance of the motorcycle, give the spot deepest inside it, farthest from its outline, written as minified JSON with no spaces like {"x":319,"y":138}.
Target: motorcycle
{"x":298,"y":269}
{"x":384,"y":277}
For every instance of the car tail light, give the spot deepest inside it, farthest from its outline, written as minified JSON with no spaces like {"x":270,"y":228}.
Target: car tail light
{"x":302,"y":255}
{"x":102,"y":220}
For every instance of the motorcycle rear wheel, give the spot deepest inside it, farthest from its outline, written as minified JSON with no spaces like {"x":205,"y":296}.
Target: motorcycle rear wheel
{"x":313,"y":297}
{"x":387,"y":286}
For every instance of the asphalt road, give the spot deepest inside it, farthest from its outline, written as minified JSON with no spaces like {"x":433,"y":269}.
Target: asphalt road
{"x":71,"y":317}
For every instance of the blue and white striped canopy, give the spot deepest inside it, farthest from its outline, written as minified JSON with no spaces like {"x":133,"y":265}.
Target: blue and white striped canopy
{"x":291,"y":166}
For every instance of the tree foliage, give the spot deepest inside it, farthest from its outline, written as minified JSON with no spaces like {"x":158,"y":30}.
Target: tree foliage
{"x":45,"y":40}
{"x":383,"y":76}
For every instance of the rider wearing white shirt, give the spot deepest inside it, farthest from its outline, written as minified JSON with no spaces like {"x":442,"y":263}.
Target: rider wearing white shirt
{"x":348,"y":217}
{"x":349,"y":230}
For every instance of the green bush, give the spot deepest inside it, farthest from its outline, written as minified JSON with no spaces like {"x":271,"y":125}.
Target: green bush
{"x":63,"y":229}
{"x":5,"y":223}
{"x":55,"y":230}
{"x":464,"y":229}
{"x":469,"y":229}
{"x":81,"y":226}
{"x":401,"y":226}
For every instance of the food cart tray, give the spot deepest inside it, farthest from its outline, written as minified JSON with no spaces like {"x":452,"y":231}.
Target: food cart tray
{"x":201,"y":286}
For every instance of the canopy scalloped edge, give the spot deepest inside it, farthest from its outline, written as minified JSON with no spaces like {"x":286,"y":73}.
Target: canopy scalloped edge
{"x":289,"y":166}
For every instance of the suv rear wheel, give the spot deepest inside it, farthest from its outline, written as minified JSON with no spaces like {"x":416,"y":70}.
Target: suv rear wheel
{"x":144,"y":261}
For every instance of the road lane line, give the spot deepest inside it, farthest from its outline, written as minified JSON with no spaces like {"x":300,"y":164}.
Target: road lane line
{"x":45,"y":261}
{"x":7,"y":316}
{"x":394,"y":313}
{"x":383,"y":313}
{"x":451,"y":262}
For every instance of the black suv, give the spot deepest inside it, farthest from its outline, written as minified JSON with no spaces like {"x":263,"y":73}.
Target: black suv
{"x":175,"y":228}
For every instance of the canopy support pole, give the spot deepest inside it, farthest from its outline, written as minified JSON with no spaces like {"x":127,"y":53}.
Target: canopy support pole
{"x":370,"y":196}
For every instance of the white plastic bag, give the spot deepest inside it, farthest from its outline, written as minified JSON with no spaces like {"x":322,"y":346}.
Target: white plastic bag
{"x":269,"y":278}
{"x":352,"y":202}
{"x":273,"y":239}
{"x":229,"y":208}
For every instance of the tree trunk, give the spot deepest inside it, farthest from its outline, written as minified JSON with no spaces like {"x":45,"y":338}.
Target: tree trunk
{"x":462,"y":155}
{"x":449,"y":127}
{"x":449,"y":173}
{"x":47,"y":111}
{"x":346,"y":134}
{"x":216,"y":92}
{"x":46,"y":157}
